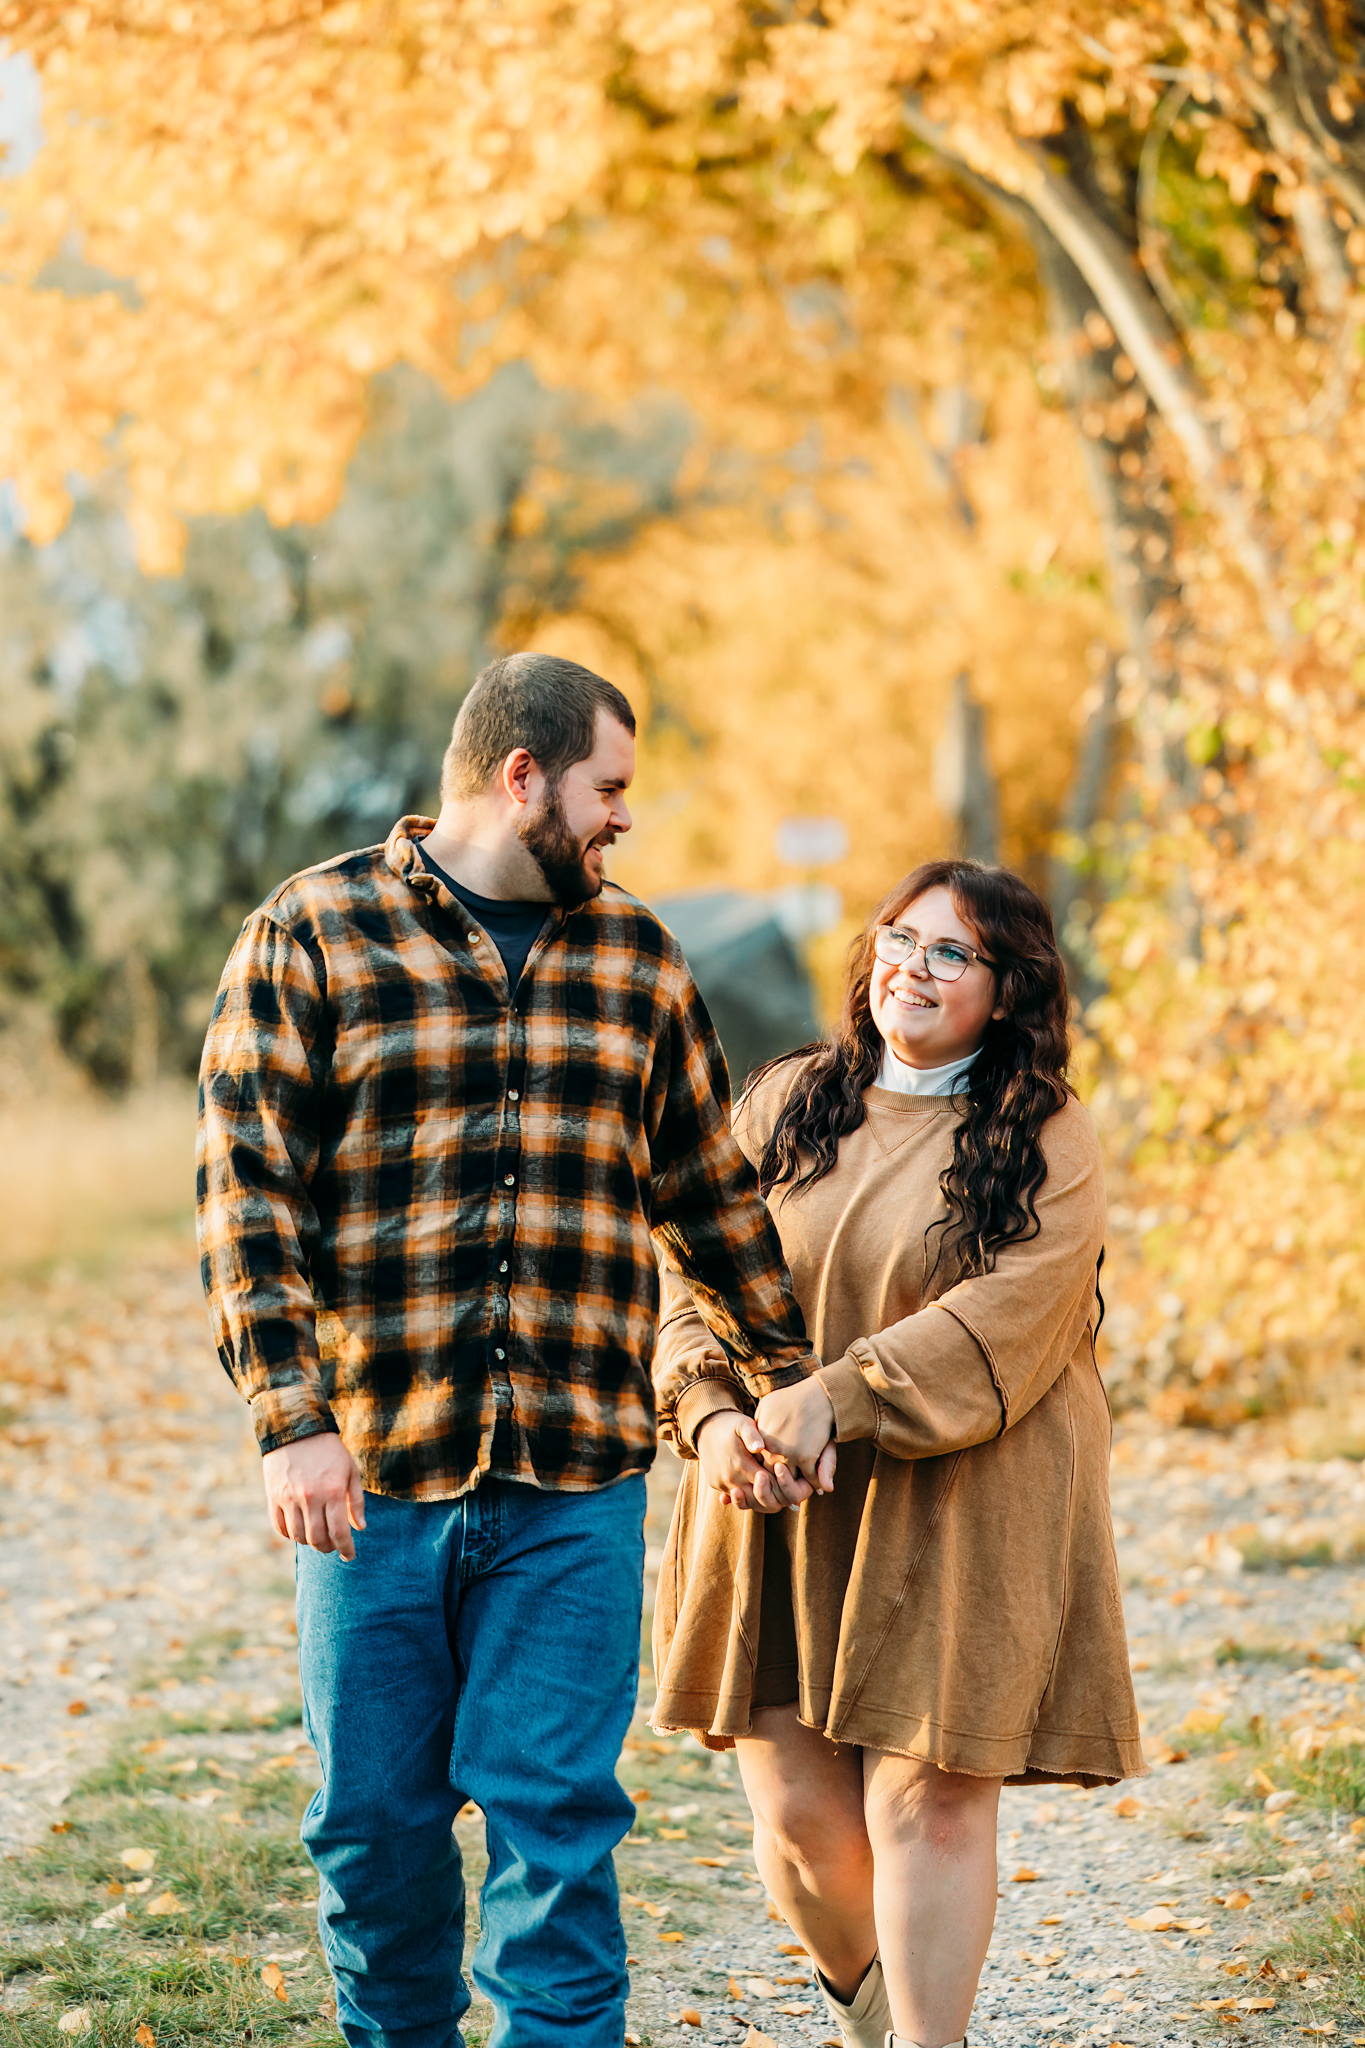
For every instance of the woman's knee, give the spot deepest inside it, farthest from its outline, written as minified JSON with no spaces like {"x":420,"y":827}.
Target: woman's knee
{"x":814,"y":1835}
{"x":909,"y":1799}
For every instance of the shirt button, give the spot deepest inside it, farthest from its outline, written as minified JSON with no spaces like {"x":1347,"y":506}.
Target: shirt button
{"x":510,"y":1179}
{"x":499,"y":1354}
{"x":476,"y":938}
{"x":513,"y":1095}
{"x":503,"y":1267}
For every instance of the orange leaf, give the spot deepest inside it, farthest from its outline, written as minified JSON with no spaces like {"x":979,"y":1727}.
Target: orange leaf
{"x":272,"y":1976}
{"x":673,"y":1937}
{"x":1237,"y":1902}
{"x":754,"y":2039}
{"x":144,"y":2037}
{"x":1024,"y":1875}
{"x":689,"y":2016}
{"x":1128,"y":1809}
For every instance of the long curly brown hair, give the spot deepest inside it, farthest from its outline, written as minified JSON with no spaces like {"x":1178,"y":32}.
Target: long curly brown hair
{"x":1018,"y":1079}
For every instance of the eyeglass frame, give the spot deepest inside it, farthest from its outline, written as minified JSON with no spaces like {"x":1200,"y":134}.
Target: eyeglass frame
{"x":922,"y":946}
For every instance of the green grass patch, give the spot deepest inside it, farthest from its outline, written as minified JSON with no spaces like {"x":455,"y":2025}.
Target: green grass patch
{"x":244,"y":1892}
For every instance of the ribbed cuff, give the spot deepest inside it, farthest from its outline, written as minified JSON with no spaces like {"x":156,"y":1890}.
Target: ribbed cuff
{"x":696,"y":1402}
{"x":856,"y":1414}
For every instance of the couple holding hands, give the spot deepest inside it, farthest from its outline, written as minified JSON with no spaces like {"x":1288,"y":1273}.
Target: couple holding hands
{"x":463,"y":1118}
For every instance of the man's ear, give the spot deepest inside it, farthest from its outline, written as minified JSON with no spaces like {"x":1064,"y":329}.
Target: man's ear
{"x":517,"y":771}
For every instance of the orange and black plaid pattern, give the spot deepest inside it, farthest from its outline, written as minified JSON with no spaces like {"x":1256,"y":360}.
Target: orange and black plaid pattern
{"x":428,"y":1205}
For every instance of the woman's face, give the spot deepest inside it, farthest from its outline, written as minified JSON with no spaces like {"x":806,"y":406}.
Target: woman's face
{"x":928,"y":1023}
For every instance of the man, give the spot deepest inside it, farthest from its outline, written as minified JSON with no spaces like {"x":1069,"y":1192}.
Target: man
{"x":451,"y":1086}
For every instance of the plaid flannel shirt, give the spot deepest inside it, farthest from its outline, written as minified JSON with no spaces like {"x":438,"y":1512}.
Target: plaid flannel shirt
{"x":426,"y":1201}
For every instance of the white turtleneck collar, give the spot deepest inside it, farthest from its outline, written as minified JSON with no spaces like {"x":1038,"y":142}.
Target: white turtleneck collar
{"x":903,"y":1080}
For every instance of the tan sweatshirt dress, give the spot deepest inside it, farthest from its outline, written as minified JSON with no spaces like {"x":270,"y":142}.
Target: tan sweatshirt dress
{"x":956,"y":1598}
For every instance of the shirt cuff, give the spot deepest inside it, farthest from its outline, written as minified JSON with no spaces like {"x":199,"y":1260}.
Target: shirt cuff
{"x":696,"y":1402}
{"x":284,"y":1415}
{"x":856,"y":1413}
{"x":772,"y":1377}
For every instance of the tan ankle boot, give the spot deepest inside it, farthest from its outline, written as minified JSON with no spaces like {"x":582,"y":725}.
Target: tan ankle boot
{"x":864,"y":2023}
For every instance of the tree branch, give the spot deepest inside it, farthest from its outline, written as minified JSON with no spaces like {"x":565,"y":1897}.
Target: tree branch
{"x":1151,"y":344}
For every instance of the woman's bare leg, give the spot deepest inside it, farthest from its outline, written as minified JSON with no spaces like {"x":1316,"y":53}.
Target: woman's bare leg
{"x":810,"y":1841}
{"x":933,"y":1850}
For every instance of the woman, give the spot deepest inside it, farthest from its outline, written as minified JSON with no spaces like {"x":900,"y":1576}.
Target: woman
{"x":948,"y":1617}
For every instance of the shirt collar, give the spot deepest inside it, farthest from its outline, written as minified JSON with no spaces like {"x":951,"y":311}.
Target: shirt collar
{"x":903,"y":1080}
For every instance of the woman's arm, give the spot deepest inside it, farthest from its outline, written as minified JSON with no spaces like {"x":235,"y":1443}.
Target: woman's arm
{"x":969,"y":1365}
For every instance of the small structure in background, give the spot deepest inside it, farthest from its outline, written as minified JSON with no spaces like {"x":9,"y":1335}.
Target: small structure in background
{"x":752,"y":978}
{"x":747,"y":949}
{"x":964,"y":783}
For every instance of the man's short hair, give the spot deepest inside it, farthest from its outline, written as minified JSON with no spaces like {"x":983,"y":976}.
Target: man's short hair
{"x":536,"y":701}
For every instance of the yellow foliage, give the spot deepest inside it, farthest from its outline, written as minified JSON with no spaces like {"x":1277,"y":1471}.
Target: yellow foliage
{"x":257,"y":204}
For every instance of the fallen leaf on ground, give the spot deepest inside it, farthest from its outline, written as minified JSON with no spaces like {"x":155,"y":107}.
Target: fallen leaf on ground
{"x":144,"y":2037}
{"x":754,"y":2039}
{"x":165,"y":1903}
{"x":1189,"y":1926}
{"x":1324,"y":2027}
{"x":77,"y":1707}
{"x":60,"y":1827}
{"x":137,"y":1859}
{"x":272,"y":1976}
{"x":672,"y":1834}
{"x":1256,"y":2004}
{"x":76,"y":2021}
{"x":1024,"y":1876}
{"x":1154,"y":1921}
{"x":796,"y":2012}
{"x":1237,"y":1902}
{"x":1276,"y":1802}
{"x":1128,"y":1809}
{"x":1202,"y":1721}
{"x":689,"y":2016}
{"x":773,"y":1913}
{"x":713,"y":1862}
{"x":791,"y":1948}
{"x":761,"y":1987}
{"x":112,"y":1917}
{"x":672,"y":1937}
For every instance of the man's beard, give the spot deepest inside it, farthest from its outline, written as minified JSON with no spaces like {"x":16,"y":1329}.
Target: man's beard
{"x":546,"y":836}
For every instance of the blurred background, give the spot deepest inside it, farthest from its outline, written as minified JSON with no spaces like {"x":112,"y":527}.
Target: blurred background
{"x":942,"y":422}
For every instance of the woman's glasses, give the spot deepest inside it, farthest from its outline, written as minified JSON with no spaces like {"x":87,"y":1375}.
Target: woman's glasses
{"x":945,"y":959}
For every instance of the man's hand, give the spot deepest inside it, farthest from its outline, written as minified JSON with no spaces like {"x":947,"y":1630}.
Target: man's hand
{"x":313,"y":1491}
{"x":797,"y":1425}
{"x":730,"y":1451}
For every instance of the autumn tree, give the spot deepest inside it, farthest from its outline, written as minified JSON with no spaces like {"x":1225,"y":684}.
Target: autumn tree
{"x":841,"y":238}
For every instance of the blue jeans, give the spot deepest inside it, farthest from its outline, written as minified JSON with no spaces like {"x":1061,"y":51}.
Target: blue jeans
{"x":486,"y":1648}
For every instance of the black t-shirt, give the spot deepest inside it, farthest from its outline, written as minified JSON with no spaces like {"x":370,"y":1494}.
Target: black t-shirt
{"x":513,"y":927}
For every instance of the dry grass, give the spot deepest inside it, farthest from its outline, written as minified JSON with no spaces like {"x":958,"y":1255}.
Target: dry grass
{"x":82,"y":1179}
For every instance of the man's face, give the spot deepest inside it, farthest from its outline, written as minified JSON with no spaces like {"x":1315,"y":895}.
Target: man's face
{"x":575,"y":821}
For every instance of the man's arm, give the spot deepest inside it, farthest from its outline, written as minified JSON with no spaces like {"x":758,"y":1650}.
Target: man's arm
{"x":708,"y":1215}
{"x":261,"y":1078}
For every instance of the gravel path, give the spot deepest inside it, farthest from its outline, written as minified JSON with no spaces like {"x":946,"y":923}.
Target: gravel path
{"x":134,"y":1554}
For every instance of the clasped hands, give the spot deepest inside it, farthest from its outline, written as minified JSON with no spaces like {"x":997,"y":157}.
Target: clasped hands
{"x":775,"y":1458}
